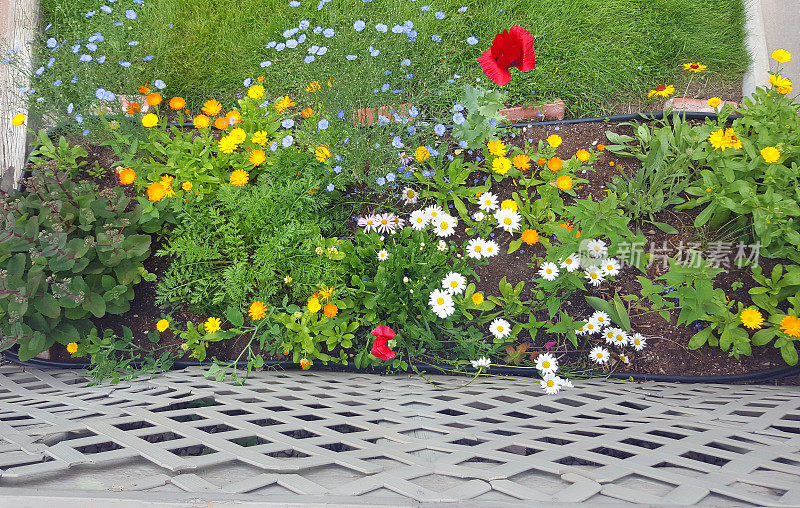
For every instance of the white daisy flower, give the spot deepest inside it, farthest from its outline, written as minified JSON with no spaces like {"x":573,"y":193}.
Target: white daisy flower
{"x":567,"y":383}
{"x":444,"y":224}
{"x":581,"y":330}
{"x":476,"y":248}
{"x":508,"y":219}
{"x":602,"y":318}
{"x":610,"y":267}
{"x":597,"y":248}
{"x":454,"y":283}
{"x":388,"y":223}
{"x":410,"y":196}
{"x":638,"y":341}
{"x":441,"y":303}
{"x":592,"y":327}
{"x":488,"y":202}
{"x":481,"y":362}
{"x":369,"y":223}
{"x":441,"y":246}
{"x":572,"y":263}
{"x":500,"y":328}
{"x":594,"y":276}
{"x":383,"y":255}
{"x":548,"y":271}
{"x":398,"y":222}
{"x":433,"y":212}
{"x":478,"y":216}
{"x":619,"y":338}
{"x":624,"y":358}
{"x":551,"y":384}
{"x":490,"y":248}
{"x":418,"y":220}
{"x":546,"y":363}
{"x":599,"y":355}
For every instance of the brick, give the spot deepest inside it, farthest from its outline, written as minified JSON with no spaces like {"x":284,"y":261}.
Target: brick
{"x":695,"y":105}
{"x":551,"y":111}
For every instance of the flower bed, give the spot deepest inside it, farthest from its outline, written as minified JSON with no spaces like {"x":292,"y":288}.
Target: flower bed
{"x":282,"y":228}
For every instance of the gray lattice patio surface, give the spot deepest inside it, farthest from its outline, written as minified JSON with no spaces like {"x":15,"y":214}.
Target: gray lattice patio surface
{"x":349,"y":438}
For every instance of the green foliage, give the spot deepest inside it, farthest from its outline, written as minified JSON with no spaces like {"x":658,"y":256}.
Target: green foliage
{"x":67,"y":252}
{"x":66,"y":156}
{"x":119,"y":358}
{"x":450,"y":184}
{"x":482,"y":116}
{"x":245,"y":241}
{"x":693,"y":284}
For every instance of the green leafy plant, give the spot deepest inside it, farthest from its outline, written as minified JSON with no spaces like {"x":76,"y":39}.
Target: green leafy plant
{"x":119,"y":358}
{"x":482,"y":116}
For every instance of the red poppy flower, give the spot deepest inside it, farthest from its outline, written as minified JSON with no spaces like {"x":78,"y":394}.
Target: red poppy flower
{"x":380,"y":348}
{"x":510,"y":48}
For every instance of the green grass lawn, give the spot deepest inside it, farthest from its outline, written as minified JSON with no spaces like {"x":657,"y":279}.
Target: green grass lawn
{"x":593,"y":54}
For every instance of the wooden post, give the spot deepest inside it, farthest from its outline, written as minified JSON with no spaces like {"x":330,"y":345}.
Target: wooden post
{"x":18,"y":21}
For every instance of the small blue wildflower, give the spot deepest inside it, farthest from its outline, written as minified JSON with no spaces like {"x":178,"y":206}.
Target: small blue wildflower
{"x":472,"y":41}
{"x":105,"y":9}
{"x":85,"y":58}
{"x":79,"y":118}
{"x":337,"y":169}
{"x":101,"y":59}
{"x":270,"y":44}
{"x":411,"y":130}
{"x":381,"y":181}
{"x":405,"y":63}
{"x":493,"y":122}
{"x":125,"y":64}
{"x":280,"y":46}
{"x":76,"y":48}
{"x":351,"y":57}
{"x":291,"y":43}
{"x":89,"y":14}
{"x":322,"y":50}
{"x":287,"y":141}
{"x":130,"y":14}
{"x":264,"y":104}
{"x":294,"y":3}
{"x":148,"y":58}
{"x":390,"y":177}
{"x":408,"y":174}
{"x":413,"y":111}
{"x":338,"y":157}
{"x":439,"y":129}
{"x":462,"y":9}
{"x":340,"y":114}
{"x":313,"y":49}
{"x":458,"y":107}
{"x":322,"y":124}
{"x":40,"y":99}
{"x":287,"y":123}
{"x":377,"y":146}
{"x":458,"y":118}
{"x":330,"y":187}
{"x":57,"y":82}
{"x":74,"y":80}
{"x":426,"y":173}
{"x":439,"y":15}
{"x":39,"y":71}
{"x":86,"y":132}
{"x":383,"y":119}
{"x":409,"y":76}
{"x":385,"y":87}
{"x":450,"y":157}
{"x":317,"y":30}
{"x":274,"y":146}
{"x":398,"y":29}
{"x":290,"y":32}
{"x":374,"y":52}
{"x":463,"y":144}
{"x":328,"y":33}
{"x":302,"y":38}
{"x":387,"y":72}
{"x":425,"y":8}
{"x":70,"y":107}
{"x":396,"y":91}
{"x":309,"y":59}
{"x":436,"y":38}
{"x":397,"y":142}
{"x":160,"y":84}
{"x":138,"y":2}
{"x":117,"y":23}
{"x":265,"y":63}
{"x":304,"y":24}
{"x":52,"y":43}
{"x":382,"y":28}
{"x":359,"y":25}
{"x":91,"y":46}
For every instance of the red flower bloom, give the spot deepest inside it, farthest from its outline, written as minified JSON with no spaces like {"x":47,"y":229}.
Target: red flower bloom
{"x":380,"y":348}
{"x":512,"y":48}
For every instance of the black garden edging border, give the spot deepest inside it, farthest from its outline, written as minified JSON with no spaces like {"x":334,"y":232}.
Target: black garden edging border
{"x":750,"y":377}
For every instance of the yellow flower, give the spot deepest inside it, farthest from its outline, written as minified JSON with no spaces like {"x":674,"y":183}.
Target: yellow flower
{"x":720,"y":140}
{"x":18,"y":120}
{"x":238,"y":135}
{"x":166,"y":182}
{"x":694,"y":67}
{"x":781,"y":55}
{"x":770,"y":154}
{"x":714,"y":102}
{"x":227,"y":144}
{"x":284,"y":103}
{"x":752,"y":318}
{"x":212,"y":107}
{"x":662,"y":91}
{"x":255,"y":92}
{"x":501,"y":165}
{"x":201,"y":122}
{"x":156,"y":192}
{"x":149,"y":120}
{"x":313,"y":304}
{"x":530,"y":236}
{"x":325,"y":293}
{"x":510,"y":204}
{"x":307,"y":112}
{"x":522,"y":161}
{"x":497,"y":147}
{"x":732,"y":139}
{"x":72,"y":348}
{"x":322,"y":153}
{"x":162,"y":325}
{"x":257,"y":157}
{"x":127,"y":176}
{"x":477,"y":298}
{"x":422,"y":154}
{"x":790,"y":325}
{"x":239,"y":178}
{"x":314,"y":86}
{"x":257,"y":311}
{"x":564,"y":182}
{"x":583,"y":155}
{"x":260,"y":138}
{"x":187,"y":186}
{"x":212,"y":325}
{"x":554,"y":140}
{"x":782,"y":85}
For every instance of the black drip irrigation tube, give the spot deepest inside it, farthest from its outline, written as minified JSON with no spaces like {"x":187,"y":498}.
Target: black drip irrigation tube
{"x":761,"y":376}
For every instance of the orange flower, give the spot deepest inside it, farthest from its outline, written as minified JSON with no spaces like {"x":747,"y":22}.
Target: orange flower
{"x":233,"y":115}
{"x":260,"y":79}
{"x":530,"y":236}
{"x":790,"y":325}
{"x":154,"y":99}
{"x":201,"y":121}
{"x":127,"y":176}
{"x":307,"y":112}
{"x":542,"y":161}
{"x":555,"y":164}
{"x":305,"y":364}
{"x":212,"y":107}
{"x":600,"y":148}
{"x":522,"y":161}
{"x":177,"y":103}
{"x":564,"y":182}
{"x":583,"y":155}
{"x":567,"y":226}
{"x":611,"y":163}
{"x":221,"y":123}
{"x":257,"y":157}
{"x":330,"y":310}
{"x":156,"y":192}
{"x":133,"y":108}
{"x":144,"y":90}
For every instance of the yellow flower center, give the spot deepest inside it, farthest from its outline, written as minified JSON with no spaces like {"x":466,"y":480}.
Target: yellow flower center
{"x":500,"y":328}
{"x":507,"y":220}
{"x":453,"y":284}
{"x":545,"y":364}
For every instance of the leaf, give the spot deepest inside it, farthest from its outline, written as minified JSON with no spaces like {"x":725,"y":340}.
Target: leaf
{"x":95,"y":304}
{"x":665,"y":227}
{"x":763,"y":336}
{"x":622,"y":314}
{"x":514,"y":246}
{"x":699,"y":339}
{"x":153,"y":336}
{"x":235,"y":317}
{"x":47,"y":305}
{"x":703,"y":217}
{"x":789,"y":353}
